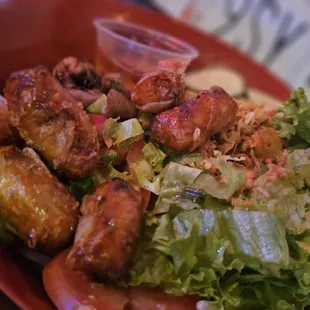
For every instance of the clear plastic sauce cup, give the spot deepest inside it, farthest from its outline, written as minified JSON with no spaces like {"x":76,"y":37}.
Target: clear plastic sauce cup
{"x":135,"y":49}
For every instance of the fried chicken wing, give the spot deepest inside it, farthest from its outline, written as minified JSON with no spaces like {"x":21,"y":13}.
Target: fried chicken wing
{"x":162,"y":89}
{"x":52,"y":122}
{"x":108,"y":230}
{"x":73,"y":73}
{"x":80,"y":79}
{"x":33,"y":203}
{"x":186,"y":127}
{"x":174,"y":129}
{"x":5,"y":131}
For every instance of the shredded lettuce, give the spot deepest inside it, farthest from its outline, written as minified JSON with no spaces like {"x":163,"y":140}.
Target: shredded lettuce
{"x":146,"y":168}
{"x":128,"y":130}
{"x":108,"y":172}
{"x":194,"y":242}
{"x":233,"y":179}
{"x":298,"y":162}
{"x":145,"y":175}
{"x":194,"y":160}
{"x":293,"y":117}
{"x":186,"y":185}
{"x":292,"y":209}
{"x":110,"y":156}
{"x":109,"y":129}
{"x":247,"y":257}
{"x":154,"y":156}
{"x":287,"y":196}
{"x":226,"y":256}
{"x":174,"y":179}
{"x":118,"y":133}
{"x":145,"y":119}
{"x":170,"y":181}
{"x":99,"y":106}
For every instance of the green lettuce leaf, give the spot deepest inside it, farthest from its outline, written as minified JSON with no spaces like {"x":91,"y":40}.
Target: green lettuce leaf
{"x":146,"y":168}
{"x":154,"y":156}
{"x":145,"y":175}
{"x":103,"y":174}
{"x":190,"y":251}
{"x":194,"y":160}
{"x":169,"y":183}
{"x":109,"y":129}
{"x":110,"y":156}
{"x":293,"y":117}
{"x":293,"y":209}
{"x":174,"y":179}
{"x":233,"y":177}
{"x":188,"y":187}
{"x":298,"y":162}
{"x":286,"y":195}
{"x":255,"y":258}
{"x":128,"y":130}
{"x":176,"y":176}
{"x":118,"y":133}
{"x":99,"y":106}
{"x":296,"y":143}
{"x":145,"y":119}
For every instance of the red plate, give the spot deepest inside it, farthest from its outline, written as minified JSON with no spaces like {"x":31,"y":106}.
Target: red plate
{"x":36,"y":32}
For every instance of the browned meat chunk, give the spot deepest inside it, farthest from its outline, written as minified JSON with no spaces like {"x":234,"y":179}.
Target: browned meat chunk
{"x":80,"y":78}
{"x":33,"y":203}
{"x":73,"y":73}
{"x":158,"y":91}
{"x":162,"y":89}
{"x":52,"y":122}
{"x":5,"y":131}
{"x":108,"y":230}
{"x":186,"y":127}
{"x":119,"y":106}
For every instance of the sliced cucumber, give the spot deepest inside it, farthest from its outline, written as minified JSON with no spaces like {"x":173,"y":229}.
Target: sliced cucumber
{"x":231,"y":81}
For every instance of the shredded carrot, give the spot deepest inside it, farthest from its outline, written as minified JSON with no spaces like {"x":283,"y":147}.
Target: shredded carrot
{"x":283,"y":158}
{"x":263,"y":191}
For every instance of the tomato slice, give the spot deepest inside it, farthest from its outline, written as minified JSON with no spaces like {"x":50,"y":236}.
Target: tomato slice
{"x":97,"y":120}
{"x":70,"y":290}
{"x":154,"y":299}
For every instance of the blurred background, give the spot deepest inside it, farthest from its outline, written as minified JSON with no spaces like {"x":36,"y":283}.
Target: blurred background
{"x":274,"y":32}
